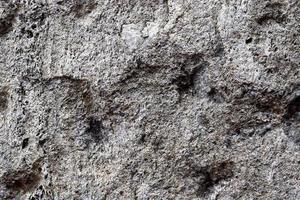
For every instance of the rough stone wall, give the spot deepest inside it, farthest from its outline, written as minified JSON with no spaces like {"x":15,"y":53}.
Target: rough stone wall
{"x":149,"y":99}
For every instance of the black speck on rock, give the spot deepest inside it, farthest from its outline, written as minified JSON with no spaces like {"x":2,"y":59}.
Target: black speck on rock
{"x":249,"y":40}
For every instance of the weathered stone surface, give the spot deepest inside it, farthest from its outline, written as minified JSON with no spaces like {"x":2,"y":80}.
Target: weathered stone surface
{"x":150,"y":99}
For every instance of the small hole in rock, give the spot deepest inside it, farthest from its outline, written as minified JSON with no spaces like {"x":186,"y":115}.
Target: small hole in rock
{"x":29,"y":34}
{"x":212,"y":92}
{"x":22,"y":30}
{"x":25,"y":143}
{"x":249,"y":40}
{"x":293,"y":109}
{"x":142,"y":139}
{"x":292,"y":119}
{"x":42,"y":142}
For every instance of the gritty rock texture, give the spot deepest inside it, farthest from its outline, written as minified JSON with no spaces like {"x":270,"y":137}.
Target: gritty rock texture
{"x":150,"y":99}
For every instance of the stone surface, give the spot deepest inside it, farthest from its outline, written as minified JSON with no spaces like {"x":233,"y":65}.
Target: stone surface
{"x":150,"y":99}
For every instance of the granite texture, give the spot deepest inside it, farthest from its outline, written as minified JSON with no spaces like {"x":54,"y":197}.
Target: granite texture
{"x":150,"y":99}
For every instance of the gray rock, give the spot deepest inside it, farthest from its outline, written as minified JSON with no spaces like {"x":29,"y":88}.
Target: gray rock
{"x":140,"y":99}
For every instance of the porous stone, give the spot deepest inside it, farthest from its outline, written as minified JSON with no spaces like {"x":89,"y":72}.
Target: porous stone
{"x":149,"y":99}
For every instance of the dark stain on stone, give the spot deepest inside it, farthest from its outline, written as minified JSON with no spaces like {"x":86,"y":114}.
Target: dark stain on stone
{"x":214,"y":95}
{"x":213,"y":174}
{"x":206,"y":177}
{"x":269,"y":103}
{"x":190,"y":66}
{"x":82,"y":8}
{"x":23,"y":180}
{"x":142,"y":139}
{"x":185,"y":82}
{"x":192,"y":59}
{"x":273,"y":12}
{"x":96,"y":129}
{"x":6,"y":22}
{"x":293,"y":108}
{"x":292,"y":119}
{"x":219,"y":50}
{"x":278,"y":17}
{"x":3,"y":100}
